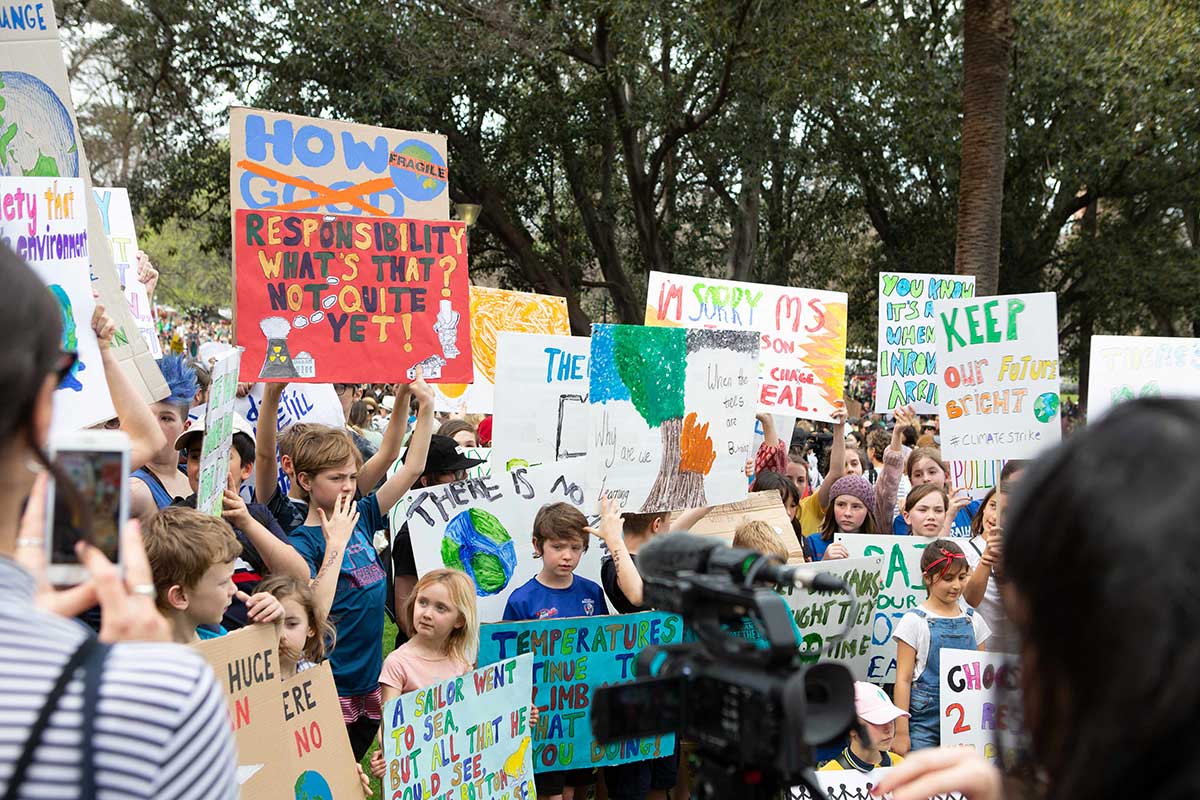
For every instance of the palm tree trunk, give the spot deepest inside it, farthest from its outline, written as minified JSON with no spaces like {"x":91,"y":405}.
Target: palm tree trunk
{"x":987,"y":44}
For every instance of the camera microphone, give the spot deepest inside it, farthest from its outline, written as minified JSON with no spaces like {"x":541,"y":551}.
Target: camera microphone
{"x":670,"y":554}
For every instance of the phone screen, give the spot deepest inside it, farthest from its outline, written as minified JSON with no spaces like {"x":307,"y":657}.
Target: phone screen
{"x":96,"y":476}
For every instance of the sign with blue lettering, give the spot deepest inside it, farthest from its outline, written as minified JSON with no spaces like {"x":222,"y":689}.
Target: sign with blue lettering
{"x":571,"y":659}
{"x":469,"y":736}
{"x":541,"y":412}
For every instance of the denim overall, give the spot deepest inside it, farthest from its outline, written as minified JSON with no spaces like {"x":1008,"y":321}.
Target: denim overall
{"x":924,"y":726}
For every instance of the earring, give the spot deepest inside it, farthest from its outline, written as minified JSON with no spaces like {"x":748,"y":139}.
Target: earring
{"x":34,"y":466}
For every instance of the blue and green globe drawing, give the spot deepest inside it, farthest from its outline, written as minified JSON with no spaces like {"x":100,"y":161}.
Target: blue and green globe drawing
{"x":1045,"y":408}
{"x":37,"y":137}
{"x":477,"y":544}
{"x":312,"y":786}
{"x":412,"y":185}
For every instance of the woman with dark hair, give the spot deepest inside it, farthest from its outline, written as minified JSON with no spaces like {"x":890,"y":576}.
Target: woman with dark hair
{"x":1100,"y":564}
{"x":138,"y":720}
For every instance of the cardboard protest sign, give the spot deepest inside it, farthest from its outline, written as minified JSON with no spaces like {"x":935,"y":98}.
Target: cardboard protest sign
{"x":907,"y":373}
{"x":977,"y":475}
{"x":801,"y":334}
{"x":493,"y":311}
{"x":45,"y":223}
{"x":723,"y":520}
{"x":117,"y":216}
{"x":1125,"y":367}
{"x":997,"y":361}
{"x":823,"y":617}
{"x":670,"y":425}
{"x":484,"y":527}
{"x":218,"y":434}
{"x":901,"y":591}
{"x":246,"y":663}
{"x":541,"y":412}
{"x":850,"y":784}
{"x":979,"y":695}
{"x":467,"y":737}
{"x":292,"y":163}
{"x":320,"y":762}
{"x":39,"y":136}
{"x":325,"y":298}
{"x":571,"y":659}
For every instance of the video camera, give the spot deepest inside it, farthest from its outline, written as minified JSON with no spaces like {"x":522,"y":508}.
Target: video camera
{"x":752,"y":709}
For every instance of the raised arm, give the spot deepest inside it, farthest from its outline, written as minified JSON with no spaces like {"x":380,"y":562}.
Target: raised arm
{"x":137,"y":420}
{"x":337,"y":529}
{"x":889,"y":478}
{"x":418,"y":448}
{"x":266,"y":468}
{"x":628,"y":577}
{"x":771,"y":455}
{"x":689,"y":518}
{"x":377,"y":465}
{"x":280,"y":557}
{"x":837,"y":454}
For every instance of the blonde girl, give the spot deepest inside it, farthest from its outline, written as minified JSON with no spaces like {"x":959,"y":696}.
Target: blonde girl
{"x":307,"y":634}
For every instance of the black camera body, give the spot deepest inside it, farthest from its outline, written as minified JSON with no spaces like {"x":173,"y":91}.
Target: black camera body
{"x":751,"y":709}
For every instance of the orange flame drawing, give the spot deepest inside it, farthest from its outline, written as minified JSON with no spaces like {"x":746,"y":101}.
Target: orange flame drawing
{"x":826,"y":353}
{"x":696,"y":453}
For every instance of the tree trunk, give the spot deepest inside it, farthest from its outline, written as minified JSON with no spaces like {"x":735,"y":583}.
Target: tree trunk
{"x":672,"y":489}
{"x":987,"y":44}
{"x":1087,"y":316}
{"x":743,"y":247}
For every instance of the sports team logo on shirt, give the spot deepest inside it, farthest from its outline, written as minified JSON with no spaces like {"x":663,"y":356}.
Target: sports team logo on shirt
{"x":547,"y":613}
{"x":589,"y":606}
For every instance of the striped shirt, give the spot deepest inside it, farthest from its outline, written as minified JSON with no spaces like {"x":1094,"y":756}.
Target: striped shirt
{"x":161,"y":727}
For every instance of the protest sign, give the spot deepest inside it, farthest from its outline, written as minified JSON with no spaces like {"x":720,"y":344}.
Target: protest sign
{"x":398,"y":514}
{"x":907,"y":373}
{"x":977,"y":476}
{"x":571,"y":659}
{"x":901,"y":591}
{"x":320,"y":762}
{"x":801,"y":334}
{"x":218,"y":434}
{"x":829,"y":632}
{"x":466,"y":737}
{"x":45,"y":223}
{"x":723,"y":520}
{"x":850,"y":784}
{"x":39,"y":136}
{"x":246,"y":663}
{"x":979,"y":695}
{"x":997,"y":364}
{"x":669,"y":424}
{"x":293,"y":163}
{"x":484,"y":527}
{"x":117,"y":216}
{"x":493,"y":311}
{"x":541,"y":412}
{"x":1125,"y":367}
{"x":325,"y":298}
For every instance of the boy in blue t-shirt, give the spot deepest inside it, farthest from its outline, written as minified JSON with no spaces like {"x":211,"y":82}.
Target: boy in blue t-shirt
{"x":560,"y":538}
{"x":337,"y":542}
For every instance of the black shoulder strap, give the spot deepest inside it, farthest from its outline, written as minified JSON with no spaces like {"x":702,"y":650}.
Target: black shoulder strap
{"x":90,"y":654}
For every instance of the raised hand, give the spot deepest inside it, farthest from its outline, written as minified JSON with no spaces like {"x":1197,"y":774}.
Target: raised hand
{"x":233,"y":509}
{"x":420,"y":389}
{"x":103,"y":326}
{"x":610,"y":520}
{"x":262,"y":607}
{"x":338,"y":527}
{"x":147,"y":275}
{"x":839,"y":414}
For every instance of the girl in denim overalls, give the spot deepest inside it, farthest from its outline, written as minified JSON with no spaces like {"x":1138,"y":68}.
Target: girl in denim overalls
{"x":921,"y":635}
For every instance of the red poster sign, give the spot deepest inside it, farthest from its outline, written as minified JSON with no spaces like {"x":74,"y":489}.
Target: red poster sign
{"x":323,"y":298}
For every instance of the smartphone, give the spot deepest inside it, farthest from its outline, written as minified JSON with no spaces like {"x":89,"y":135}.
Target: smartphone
{"x":96,"y":462}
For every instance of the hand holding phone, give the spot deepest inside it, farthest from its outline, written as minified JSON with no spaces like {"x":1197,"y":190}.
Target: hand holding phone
{"x":97,"y":465}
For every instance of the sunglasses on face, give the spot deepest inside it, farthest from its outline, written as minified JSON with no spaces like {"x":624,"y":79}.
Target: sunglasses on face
{"x":66,"y":361}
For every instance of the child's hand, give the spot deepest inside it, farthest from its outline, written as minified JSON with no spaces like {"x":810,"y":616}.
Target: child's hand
{"x":993,"y":553}
{"x":378,"y":767}
{"x":901,"y":744}
{"x":420,"y":389}
{"x":103,"y":326}
{"x":959,"y":499}
{"x":234,"y":510}
{"x":147,"y":275}
{"x":362,"y":776}
{"x":244,"y":389}
{"x":261,"y":607}
{"x":274,"y":390}
{"x":749,"y":468}
{"x":610,"y":520}
{"x":835,"y":551}
{"x":839,"y":414}
{"x":339,"y":526}
{"x":533,"y":716}
{"x":905,"y":416}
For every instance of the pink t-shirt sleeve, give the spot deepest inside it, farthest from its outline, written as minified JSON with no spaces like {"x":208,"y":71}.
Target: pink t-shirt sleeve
{"x":406,"y":672}
{"x":395,"y":672}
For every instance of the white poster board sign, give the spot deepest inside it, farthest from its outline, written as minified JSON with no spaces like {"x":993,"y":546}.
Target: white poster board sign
{"x":907,"y":367}
{"x":801,"y":334}
{"x":117,"y":215}
{"x":671,"y":415}
{"x":540,"y":399}
{"x":850,"y":784}
{"x":1127,"y":367}
{"x":902,"y":590}
{"x":484,"y":527}
{"x":218,"y":434}
{"x":822,"y":617}
{"x":979,"y":693}
{"x":997,"y":360}
{"x":45,"y":222}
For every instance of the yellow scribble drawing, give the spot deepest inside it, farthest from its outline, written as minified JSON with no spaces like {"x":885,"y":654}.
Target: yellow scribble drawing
{"x":495,"y":310}
{"x":826,"y":353}
{"x":514,"y":765}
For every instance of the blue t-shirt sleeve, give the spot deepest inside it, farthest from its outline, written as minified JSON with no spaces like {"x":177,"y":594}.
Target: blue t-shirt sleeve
{"x":601,"y":605}
{"x":310,"y":548}
{"x":819,"y":545}
{"x":511,"y":612}
{"x":369,"y":515}
{"x":900,"y":527}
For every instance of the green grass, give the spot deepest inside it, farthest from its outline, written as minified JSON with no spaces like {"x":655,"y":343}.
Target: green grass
{"x":389,"y":639}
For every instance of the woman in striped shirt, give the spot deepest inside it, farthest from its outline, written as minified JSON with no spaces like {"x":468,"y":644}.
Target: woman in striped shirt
{"x":80,"y":719}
